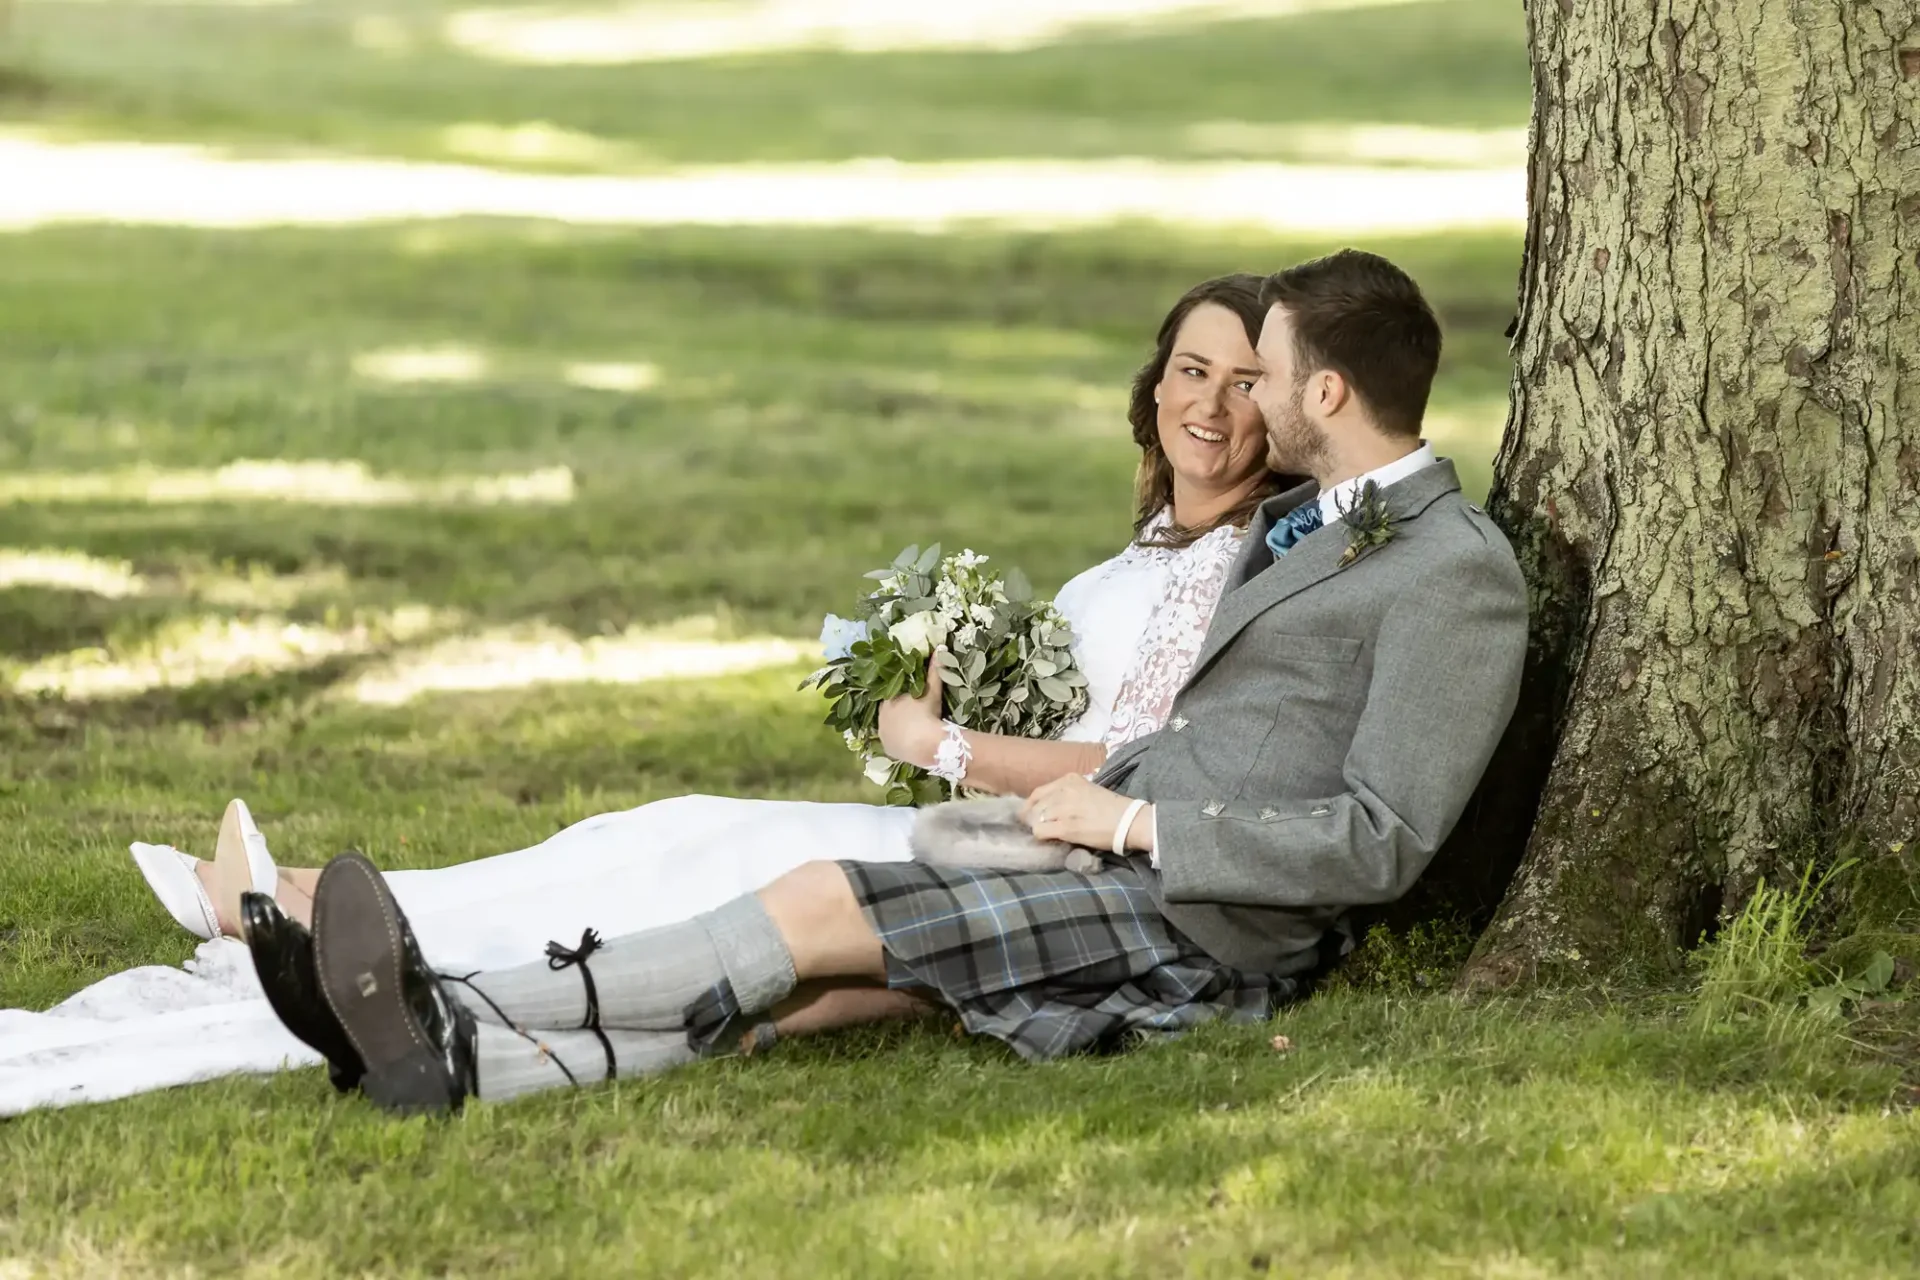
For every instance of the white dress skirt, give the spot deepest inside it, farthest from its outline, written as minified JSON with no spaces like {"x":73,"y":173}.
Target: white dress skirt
{"x":1138,"y":620}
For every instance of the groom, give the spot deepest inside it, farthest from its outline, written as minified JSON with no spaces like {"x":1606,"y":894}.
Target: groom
{"x":1362,"y":663}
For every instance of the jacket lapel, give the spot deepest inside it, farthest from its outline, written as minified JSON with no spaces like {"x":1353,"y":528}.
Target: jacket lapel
{"x":1254,"y":556}
{"x":1314,"y":559}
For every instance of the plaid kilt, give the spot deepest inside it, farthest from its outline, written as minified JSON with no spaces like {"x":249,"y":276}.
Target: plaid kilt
{"x":1051,"y":962}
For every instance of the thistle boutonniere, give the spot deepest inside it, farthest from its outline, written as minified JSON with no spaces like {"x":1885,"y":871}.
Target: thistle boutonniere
{"x":1369,"y":523}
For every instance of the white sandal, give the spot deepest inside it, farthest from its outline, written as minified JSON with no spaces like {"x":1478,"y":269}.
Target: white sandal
{"x":170,"y":874}
{"x":241,"y":862}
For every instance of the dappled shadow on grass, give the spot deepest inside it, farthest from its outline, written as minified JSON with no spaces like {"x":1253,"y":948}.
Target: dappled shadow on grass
{"x":36,"y":622}
{"x":21,"y":89}
{"x":751,"y":736}
{"x":467,"y":281}
{"x":207,"y":704}
{"x":386,"y":78}
{"x":822,"y":399}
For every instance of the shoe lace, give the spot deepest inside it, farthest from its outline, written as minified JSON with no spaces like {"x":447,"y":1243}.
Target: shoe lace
{"x":560,"y":957}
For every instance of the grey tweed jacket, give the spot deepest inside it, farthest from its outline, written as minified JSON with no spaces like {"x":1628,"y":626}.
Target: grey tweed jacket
{"x":1333,"y":726}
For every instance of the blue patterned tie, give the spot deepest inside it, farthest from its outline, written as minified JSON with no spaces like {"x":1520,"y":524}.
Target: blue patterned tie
{"x":1303,"y":520}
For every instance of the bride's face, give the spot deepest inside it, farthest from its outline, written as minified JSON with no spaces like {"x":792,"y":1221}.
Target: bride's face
{"x":1210,"y":427}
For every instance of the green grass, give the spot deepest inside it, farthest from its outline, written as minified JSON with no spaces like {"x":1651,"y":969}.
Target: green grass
{"x":1397,"y":1138}
{"x":296,"y":73}
{"x":821,"y":399}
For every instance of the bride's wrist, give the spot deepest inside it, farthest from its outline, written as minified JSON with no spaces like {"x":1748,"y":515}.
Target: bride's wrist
{"x":927,"y":741}
{"x":952,"y":754}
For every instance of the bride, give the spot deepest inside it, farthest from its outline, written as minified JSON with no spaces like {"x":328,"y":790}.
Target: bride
{"x":1138,"y":621}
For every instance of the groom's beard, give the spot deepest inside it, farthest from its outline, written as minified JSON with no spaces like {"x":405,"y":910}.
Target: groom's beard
{"x":1294,"y":444}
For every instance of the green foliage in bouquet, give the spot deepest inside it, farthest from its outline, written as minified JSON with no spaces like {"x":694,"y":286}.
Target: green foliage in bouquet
{"x":1006,"y":660}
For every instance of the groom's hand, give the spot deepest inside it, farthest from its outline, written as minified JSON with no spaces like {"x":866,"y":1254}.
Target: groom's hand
{"x":910,"y":727}
{"x":1074,"y":811}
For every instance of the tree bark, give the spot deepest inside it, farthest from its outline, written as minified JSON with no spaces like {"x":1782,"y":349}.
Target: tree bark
{"x":1711,"y":471}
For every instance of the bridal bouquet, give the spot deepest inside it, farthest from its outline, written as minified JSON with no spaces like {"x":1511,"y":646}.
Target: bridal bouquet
{"x":1005,"y":662}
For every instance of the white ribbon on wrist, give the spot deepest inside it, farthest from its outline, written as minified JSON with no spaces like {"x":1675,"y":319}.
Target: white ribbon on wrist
{"x":952,"y":756}
{"x":1125,"y":828}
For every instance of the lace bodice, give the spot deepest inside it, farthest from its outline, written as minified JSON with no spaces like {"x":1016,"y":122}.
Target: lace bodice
{"x":1139,"y":621}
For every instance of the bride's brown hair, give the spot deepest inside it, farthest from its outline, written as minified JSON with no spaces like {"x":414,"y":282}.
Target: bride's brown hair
{"x":1153,"y":483}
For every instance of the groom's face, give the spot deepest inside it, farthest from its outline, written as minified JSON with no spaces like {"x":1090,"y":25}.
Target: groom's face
{"x":1294,"y":441}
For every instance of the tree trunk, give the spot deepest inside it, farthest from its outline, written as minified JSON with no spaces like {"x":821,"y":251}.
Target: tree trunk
{"x":1712,"y":468}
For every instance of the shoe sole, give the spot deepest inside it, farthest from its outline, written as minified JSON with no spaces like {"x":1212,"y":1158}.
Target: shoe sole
{"x":356,"y":931}
{"x":235,"y":868}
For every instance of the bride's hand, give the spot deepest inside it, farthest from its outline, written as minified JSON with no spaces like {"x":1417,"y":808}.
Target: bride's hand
{"x":910,"y":727}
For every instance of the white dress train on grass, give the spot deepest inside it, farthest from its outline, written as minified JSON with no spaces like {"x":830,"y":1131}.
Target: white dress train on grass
{"x":1139,"y":620}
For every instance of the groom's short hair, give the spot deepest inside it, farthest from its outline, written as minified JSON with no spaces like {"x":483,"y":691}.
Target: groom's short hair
{"x":1364,"y":318}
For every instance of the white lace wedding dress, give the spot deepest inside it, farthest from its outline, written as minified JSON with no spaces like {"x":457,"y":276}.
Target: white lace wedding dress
{"x":1138,"y":620}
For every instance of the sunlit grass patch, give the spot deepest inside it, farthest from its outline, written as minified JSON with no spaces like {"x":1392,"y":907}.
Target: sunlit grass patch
{"x":319,"y":483}
{"x":69,"y":571}
{"x":1362,"y":144}
{"x":146,"y":184}
{"x":646,"y":33}
{"x":192,"y":649}
{"x":529,"y":655}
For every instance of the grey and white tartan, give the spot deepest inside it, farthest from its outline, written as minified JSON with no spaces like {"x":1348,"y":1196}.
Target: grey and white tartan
{"x":1051,"y":962}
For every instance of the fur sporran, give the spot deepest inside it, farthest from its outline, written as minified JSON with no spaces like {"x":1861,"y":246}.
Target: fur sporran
{"x":988,"y":834}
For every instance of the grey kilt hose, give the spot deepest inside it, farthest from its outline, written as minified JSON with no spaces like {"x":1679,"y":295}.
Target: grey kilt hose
{"x":1051,"y":962}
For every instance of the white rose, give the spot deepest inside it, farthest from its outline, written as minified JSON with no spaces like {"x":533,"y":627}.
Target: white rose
{"x":919,"y":633}
{"x":878,"y":767}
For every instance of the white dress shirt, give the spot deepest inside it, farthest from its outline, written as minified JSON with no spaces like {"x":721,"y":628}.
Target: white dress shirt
{"x":1337,"y":499}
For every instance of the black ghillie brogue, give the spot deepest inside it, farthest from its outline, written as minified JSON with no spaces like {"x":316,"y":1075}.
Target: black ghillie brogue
{"x":415,"y":1040}
{"x":282,"y":951}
